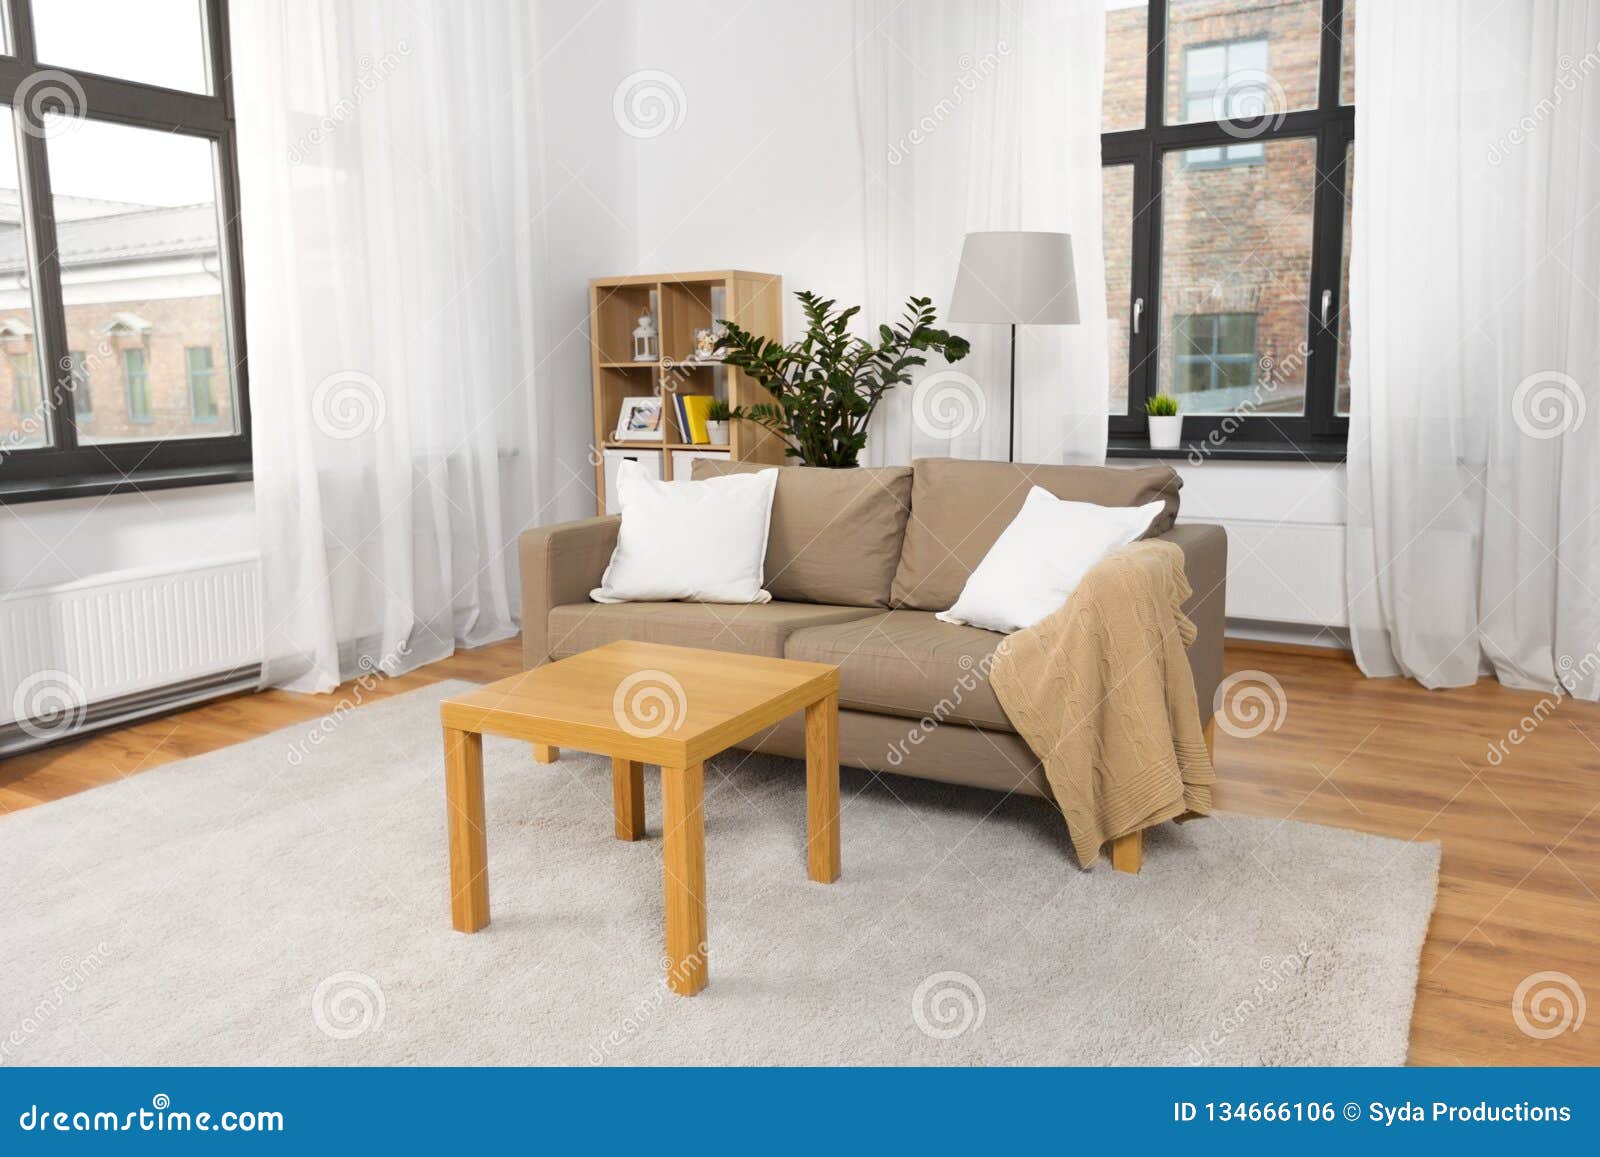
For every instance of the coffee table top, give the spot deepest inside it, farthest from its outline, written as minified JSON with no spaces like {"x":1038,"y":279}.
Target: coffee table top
{"x":644,"y":701}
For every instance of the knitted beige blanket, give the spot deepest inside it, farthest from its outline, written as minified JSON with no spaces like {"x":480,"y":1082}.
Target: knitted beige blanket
{"x":1102,"y":692}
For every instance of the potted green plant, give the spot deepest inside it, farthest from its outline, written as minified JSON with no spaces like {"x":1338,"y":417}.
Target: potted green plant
{"x":717,"y":418}
{"x":826,"y":385}
{"x":1166,"y":424}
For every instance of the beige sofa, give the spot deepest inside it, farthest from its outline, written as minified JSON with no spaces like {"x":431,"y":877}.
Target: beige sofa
{"x":857,"y":563}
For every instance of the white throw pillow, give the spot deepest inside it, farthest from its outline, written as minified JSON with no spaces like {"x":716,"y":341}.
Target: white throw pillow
{"x":703,"y":541}
{"x":1039,"y":560}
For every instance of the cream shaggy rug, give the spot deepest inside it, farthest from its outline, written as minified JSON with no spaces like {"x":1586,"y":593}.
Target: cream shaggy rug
{"x":284,"y":902}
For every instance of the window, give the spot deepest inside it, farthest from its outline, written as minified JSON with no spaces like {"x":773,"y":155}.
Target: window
{"x":1215,"y":355}
{"x":82,"y":395}
{"x":202,"y":402}
{"x":120,"y":253}
{"x":1223,"y":82}
{"x":24,"y":384}
{"x":1228,"y":150}
{"x":137,"y":383}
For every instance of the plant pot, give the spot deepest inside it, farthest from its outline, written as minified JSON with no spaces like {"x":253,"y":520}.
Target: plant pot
{"x":1166,"y":433}
{"x":717,"y":433}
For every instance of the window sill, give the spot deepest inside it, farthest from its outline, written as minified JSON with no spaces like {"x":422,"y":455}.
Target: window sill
{"x":89,"y":485}
{"x":1199,"y":451}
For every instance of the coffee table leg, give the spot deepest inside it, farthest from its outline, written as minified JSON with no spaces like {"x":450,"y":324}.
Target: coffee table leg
{"x":544,"y":753}
{"x":822,"y":789}
{"x":684,"y":865}
{"x":469,"y":848}
{"x":627,"y":797}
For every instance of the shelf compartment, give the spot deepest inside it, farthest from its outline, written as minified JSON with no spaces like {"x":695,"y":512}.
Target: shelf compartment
{"x":616,"y":383}
{"x":685,"y":307}
{"x":616,"y":313}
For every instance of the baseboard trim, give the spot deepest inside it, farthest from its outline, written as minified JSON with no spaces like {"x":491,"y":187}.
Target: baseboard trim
{"x":14,"y":740}
{"x":1289,"y":636}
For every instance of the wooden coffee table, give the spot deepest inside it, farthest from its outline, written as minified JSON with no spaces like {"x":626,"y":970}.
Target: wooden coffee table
{"x":644,"y":703}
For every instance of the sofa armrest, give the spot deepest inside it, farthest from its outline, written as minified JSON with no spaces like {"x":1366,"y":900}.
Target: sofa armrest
{"x":1205,"y":563}
{"x":560,"y":564}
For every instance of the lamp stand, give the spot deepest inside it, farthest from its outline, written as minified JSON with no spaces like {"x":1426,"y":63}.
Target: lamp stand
{"x":1011,"y":414}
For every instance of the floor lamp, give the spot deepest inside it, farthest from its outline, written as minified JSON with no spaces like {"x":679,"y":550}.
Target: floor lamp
{"x":1015,"y":278}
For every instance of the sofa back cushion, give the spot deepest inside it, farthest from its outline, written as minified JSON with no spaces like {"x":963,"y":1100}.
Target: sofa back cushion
{"x":835,"y":535}
{"x":959,"y":507}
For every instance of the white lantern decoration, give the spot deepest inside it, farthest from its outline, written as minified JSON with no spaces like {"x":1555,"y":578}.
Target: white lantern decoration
{"x":646,"y":343}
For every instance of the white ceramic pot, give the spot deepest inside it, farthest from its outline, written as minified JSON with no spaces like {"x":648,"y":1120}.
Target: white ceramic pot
{"x":1166,"y":433}
{"x":717,"y":432}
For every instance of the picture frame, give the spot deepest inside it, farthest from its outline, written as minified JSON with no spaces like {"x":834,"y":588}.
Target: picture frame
{"x":639,"y":420}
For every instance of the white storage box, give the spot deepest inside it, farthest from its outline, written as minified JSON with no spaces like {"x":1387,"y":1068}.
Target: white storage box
{"x":649,"y":459}
{"x":683,"y":462}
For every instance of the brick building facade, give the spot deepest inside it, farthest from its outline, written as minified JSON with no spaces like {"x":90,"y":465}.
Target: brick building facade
{"x":1236,"y":224}
{"x":146,"y":333}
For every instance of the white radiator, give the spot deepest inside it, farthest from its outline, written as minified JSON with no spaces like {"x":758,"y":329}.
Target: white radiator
{"x":130,"y":631}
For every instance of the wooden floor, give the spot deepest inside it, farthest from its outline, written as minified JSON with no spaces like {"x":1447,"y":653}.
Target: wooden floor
{"x":1520,"y":886}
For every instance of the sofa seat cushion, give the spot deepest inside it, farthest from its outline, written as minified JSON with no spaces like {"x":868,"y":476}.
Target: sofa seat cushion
{"x":908,"y":663}
{"x":750,"y":629}
{"x":835,"y":534}
{"x":959,"y":507}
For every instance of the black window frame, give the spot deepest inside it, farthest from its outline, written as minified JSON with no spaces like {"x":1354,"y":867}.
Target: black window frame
{"x":63,"y":466}
{"x":1319,"y":433}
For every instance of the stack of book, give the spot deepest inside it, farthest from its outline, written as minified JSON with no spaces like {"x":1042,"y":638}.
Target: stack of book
{"x":692,"y":410}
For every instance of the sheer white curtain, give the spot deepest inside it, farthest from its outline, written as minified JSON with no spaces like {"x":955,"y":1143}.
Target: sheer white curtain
{"x":390,"y":193}
{"x":1475,"y":427}
{"x":985,"y":116}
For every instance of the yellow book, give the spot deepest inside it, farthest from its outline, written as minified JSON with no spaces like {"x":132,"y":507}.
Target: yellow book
{"x":696,"y":406}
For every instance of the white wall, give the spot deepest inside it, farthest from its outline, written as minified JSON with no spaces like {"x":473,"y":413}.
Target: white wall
{"x":587,"y":229}
{"x":765,"y":171}
{"x":46,"y":543}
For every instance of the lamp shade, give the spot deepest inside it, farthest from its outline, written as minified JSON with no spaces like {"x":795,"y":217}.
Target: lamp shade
{"x":1016,"y":278}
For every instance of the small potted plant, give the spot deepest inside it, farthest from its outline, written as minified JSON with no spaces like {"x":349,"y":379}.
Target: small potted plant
{"x":1166,"y":424}
{"x":717,"y":416}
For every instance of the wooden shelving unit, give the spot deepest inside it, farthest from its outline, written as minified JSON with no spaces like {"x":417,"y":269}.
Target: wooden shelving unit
{"x":681,"y":303}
